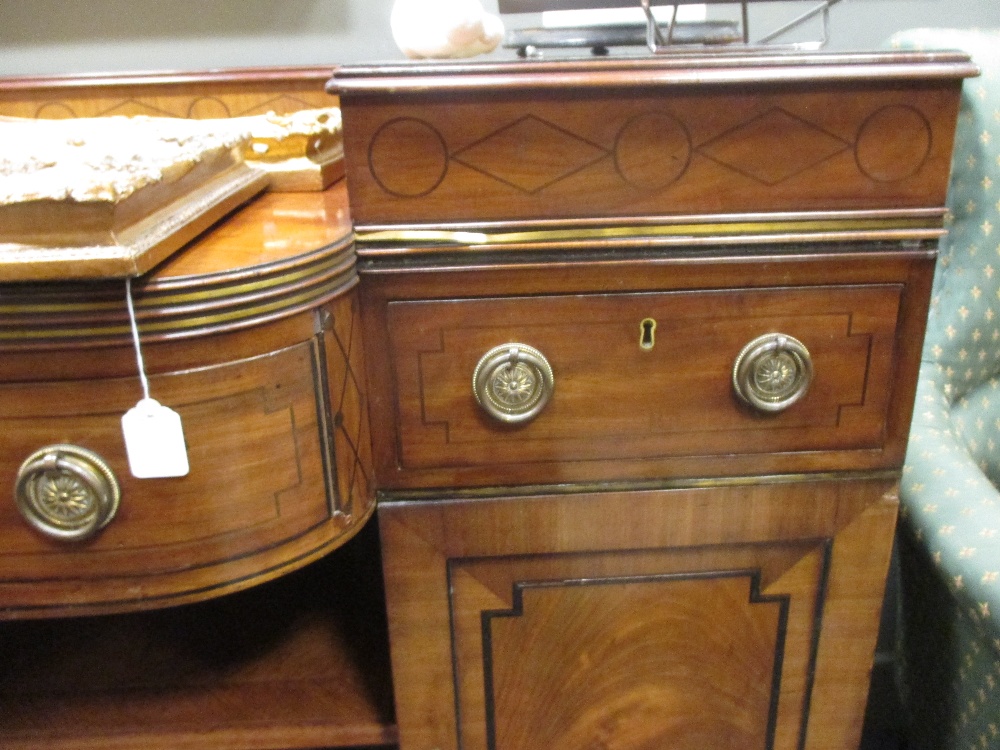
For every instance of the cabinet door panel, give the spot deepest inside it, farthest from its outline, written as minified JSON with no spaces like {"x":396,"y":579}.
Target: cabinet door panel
{"x":667,"y":648}
{"x":690,"y":618}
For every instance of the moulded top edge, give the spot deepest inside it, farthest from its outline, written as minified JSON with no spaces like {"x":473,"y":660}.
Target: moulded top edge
{"x":719,"y":68}
{"x":237,"y":76}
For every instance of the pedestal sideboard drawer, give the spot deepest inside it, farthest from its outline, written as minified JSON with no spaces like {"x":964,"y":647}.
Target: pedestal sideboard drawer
{"x":640,"y":378}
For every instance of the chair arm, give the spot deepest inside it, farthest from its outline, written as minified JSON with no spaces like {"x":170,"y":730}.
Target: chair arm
{"x":951,"y":507}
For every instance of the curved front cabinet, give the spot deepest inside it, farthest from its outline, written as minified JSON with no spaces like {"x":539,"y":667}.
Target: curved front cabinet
{"x":262,"y":365}
{"x":279,"y":475}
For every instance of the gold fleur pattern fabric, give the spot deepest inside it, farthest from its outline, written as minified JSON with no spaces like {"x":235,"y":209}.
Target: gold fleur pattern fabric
{"x":950,"y":516}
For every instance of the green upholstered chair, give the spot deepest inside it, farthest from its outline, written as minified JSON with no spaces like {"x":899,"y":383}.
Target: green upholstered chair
{"x":949,"y":540}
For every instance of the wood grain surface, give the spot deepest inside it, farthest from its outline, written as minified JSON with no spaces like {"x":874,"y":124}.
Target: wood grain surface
{"x":253,"y":334}
{"x":632,"y":619}
{"x":647,"y":565}
{"x":195,"y":94}
{"x":623,"y":412}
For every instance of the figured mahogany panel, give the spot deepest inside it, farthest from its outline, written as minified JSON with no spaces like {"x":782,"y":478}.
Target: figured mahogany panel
{"x":723,"y":617}
{"x":664,"y":151}
{"x":681,"y":680}
{"x":713,"y":660}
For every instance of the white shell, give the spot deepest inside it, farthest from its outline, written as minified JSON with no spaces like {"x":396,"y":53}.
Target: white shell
{"x":444,"y":28}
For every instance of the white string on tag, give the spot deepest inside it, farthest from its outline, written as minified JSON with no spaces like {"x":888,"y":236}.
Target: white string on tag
{"x":135,"y":337}
{"x":154,"y":435}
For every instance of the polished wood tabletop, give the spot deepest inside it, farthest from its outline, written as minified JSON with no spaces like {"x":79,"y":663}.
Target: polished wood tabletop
{"x":273,"y":228}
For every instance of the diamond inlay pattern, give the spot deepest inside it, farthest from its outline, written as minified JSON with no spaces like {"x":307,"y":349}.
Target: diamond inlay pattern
{"x":530,"y":154}
{"x":351,"y":439}
{"x":783,"y":146}
{"x":181,"y":105}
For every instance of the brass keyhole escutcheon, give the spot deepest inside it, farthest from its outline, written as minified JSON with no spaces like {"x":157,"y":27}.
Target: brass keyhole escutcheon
{"x":647,"y":334}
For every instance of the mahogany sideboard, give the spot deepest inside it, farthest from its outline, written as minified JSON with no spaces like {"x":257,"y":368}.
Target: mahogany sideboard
{"x":642,"y":340}
{"x":624,"y":353}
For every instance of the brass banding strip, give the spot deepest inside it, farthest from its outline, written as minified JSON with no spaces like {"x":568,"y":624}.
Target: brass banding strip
{"x":403,"y":495}
{"x":326,"y":253}
{"x":154,"y":296}
{"x":336,"y":266}
{"x":243,"y":304}
{"x":763,"y":228}
{"x":186,"y":327}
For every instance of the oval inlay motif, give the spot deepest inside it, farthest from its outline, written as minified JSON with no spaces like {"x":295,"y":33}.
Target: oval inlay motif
{"x":893,"y":143}
{"x":207,"y":108}
{"x":424,"y":165}
{"x":55,"y":111}
{"x":652,"y":150}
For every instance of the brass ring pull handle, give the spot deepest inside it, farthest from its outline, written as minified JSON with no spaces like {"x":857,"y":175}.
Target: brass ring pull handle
{"x":772,"y":372}
{"x":66,"y":492}
{"x":513,"y":382}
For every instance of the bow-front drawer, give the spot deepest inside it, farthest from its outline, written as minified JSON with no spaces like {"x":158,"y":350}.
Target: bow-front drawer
{"x":263,"y":494}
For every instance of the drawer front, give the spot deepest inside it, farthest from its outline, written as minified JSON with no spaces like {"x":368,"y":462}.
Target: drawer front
{"x":642,"y":383}
{"x":279,"y":474}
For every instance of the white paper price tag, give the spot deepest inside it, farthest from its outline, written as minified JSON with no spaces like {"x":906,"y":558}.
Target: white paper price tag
{"x":154,"y":441}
